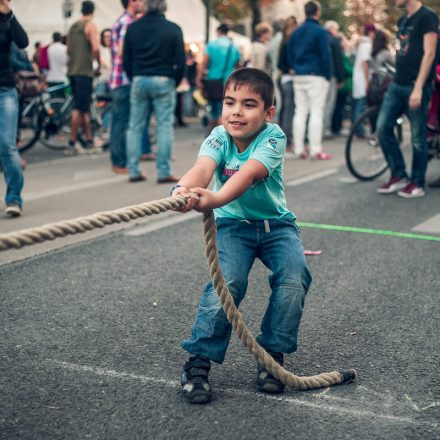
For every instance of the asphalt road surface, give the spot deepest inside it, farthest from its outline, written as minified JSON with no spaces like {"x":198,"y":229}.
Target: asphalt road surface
{"x":91,"y":333}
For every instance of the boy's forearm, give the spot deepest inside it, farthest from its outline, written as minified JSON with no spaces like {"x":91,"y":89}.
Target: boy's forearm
{"x":234,"y":188}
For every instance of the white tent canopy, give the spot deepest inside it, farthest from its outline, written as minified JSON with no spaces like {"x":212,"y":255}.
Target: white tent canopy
{"x":40,"y":18}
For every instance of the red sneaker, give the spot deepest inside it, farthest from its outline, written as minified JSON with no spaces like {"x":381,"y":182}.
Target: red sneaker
{"x":411,"y":191}
{"x":321,"y":156}
{"x":393,"y":185}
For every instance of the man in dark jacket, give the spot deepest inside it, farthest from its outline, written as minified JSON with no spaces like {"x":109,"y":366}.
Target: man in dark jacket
{"x":337,"y":75}
{"x":154,"y":60}
{"x":309,"y":57}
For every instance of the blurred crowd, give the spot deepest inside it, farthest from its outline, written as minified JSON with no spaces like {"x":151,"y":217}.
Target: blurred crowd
{"x":143,"y":73}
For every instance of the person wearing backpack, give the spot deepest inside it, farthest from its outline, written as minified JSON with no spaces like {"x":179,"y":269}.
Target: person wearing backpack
{"x":380,"y":78}
{"x":10,"y":32}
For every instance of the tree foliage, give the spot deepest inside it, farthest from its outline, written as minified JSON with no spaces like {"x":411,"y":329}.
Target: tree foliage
{"x":350,"y":14}
{"x":234,"y":10}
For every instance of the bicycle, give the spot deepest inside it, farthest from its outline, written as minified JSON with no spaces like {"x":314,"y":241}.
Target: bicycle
{"x":47,"y":118}
{"x":364,"y":157}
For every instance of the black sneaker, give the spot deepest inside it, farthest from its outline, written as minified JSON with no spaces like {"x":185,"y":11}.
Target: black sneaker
{"x":194,"y":380}
{"x":265,"y":381}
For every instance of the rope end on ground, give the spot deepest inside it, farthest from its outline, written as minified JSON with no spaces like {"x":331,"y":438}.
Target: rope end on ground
{"x":348,"y":376}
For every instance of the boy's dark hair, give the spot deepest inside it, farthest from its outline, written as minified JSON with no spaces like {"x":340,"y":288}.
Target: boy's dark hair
{"x":257,"y":80}
{"x":124,"y":3}
{"x":87,"y":7}
{"x":311,"y":8}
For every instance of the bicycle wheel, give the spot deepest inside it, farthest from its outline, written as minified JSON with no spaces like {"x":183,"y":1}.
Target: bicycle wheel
{"x":56,"y":126}
{"x":364,"y":157}
{"x":30,"y":125}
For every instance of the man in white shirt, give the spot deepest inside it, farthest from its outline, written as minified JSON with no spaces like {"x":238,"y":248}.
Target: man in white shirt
{"x":57,"y":56}
{"x":360,"y":75}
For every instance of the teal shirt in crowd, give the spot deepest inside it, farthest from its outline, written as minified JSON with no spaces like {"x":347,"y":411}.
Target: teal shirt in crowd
{"x":264,"y":199}
{"x":217,"y":51}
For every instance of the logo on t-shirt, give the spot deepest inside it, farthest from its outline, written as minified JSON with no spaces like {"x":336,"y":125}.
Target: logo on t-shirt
{"x":230,"y":169}
{"x":273,"y":143}
{"x":214,"y":143}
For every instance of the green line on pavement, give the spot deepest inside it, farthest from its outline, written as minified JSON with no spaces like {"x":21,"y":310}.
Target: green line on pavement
{"x":368,"y":231}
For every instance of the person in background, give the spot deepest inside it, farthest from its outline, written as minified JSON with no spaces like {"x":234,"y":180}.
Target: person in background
{"x":191,"y":75}
{"x":337,"y":76}
{"x":361,"y":74}
{"x":154,"y":60}
{"x":10,"y":32}
{"x":381,"y":58}
{"x":82,"y":48}
{"x":120,"y":87}
{"x":57,"y":57}
{"x":344,"y":92}
{"x":220,"y":59}
{"x":434,"y":113}
{"x":309,"y":57}
{"x":286,"y":111}
{"x":20,"y":62}
{"x":274,"y":53}
{"x":409,"y":93}
{"x":36,"y":55}
{"x":102,"y":90}
{"x":260,"y":55}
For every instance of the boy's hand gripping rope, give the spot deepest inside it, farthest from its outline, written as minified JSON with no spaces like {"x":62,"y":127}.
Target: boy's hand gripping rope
{"x":51,"y":231}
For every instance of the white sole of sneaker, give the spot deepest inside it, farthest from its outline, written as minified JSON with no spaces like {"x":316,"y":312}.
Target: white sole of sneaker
{"x":410,"y":196}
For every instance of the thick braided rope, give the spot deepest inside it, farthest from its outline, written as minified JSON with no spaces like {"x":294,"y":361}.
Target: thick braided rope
{"x":27,"y":237}
{"x":234,"y":317}
{"x":52,"y":231}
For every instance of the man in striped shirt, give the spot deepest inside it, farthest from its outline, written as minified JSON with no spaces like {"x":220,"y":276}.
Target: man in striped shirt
{"x":120,"y":86}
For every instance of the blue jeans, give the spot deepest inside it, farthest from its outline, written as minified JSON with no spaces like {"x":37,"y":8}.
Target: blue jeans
{"x":158,"y":94}
{"x":279,"y":247}
{"x":9,"y":156}
{"x":120,"y":118}
{"x":146,"y":141}
{"x":287,"y":110}
{"x":358,"y":105}
{"x":394,"y":105}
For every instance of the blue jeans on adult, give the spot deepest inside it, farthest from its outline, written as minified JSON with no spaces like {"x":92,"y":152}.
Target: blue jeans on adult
{"x":287,"y":109}
{"x":394,"y":105}
{"x":119,"y":125}
{"x":9,"y":156}
{"x":146,"y":141}
{"x":158,"y":94}
{"x":278,"y":245}
{"x":358,"y":105}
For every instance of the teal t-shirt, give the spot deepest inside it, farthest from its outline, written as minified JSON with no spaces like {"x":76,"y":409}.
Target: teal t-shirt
{"x":217,"y":51}
{"x":264,"y":199}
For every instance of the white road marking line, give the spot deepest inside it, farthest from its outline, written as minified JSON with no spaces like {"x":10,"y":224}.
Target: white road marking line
{"x":283,"y":399}
{"x":71,"y":187}
{"x":312,"y":177}
{"x":417,"y":407}
{"x":156,"y":225}
{"x":348,"y":180}
{"x":431,"y":226}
